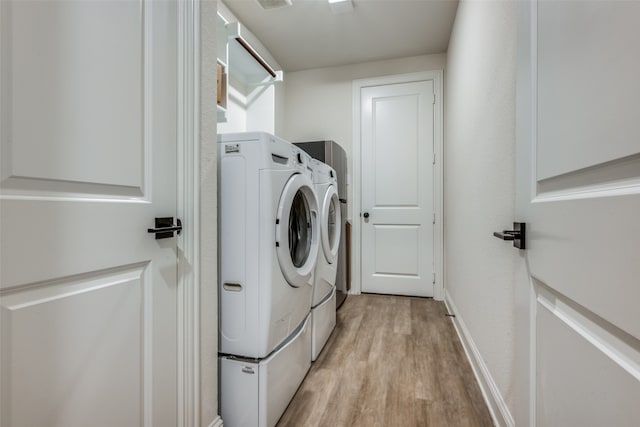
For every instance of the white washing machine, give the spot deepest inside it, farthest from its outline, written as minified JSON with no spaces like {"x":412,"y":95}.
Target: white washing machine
{"x":323,"y":302}
{"x":269,"y":241}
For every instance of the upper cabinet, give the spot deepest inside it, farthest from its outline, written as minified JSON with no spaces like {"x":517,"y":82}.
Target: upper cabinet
{"x":247,"y":74}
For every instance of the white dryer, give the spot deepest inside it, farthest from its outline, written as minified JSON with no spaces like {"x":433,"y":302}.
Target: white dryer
{"x":269,"y":241}
{"x":323,"y":302}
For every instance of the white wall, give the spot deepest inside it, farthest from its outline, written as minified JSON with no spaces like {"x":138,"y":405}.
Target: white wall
{"x":249,"y":108}
{"x":208,"y":214}
{"x":236,"y":117}
{"x":317,"y":103}
{"x":480,"y":182}
{"x":261,"y":108}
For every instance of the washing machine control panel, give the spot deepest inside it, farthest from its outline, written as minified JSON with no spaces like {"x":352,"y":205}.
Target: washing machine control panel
{"x":300,"y":159}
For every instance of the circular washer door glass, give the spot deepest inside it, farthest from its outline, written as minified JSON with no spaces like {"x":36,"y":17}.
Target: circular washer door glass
{"x":299,"y":230}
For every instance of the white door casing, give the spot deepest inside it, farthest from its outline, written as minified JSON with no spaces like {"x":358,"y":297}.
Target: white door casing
{"x":397,"y":133}
{"x":89,"y":324}
{"x":579,"y":193}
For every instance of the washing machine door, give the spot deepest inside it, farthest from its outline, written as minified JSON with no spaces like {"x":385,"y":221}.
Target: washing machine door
{"x":297,"y":231}
{"x":330,"y":222}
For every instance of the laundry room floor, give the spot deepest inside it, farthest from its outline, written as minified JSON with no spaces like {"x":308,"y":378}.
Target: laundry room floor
{"x":391,"y":361}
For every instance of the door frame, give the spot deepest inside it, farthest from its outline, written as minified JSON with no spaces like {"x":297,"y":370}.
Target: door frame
{"x":526,"y":128}
{"x":187,"y":186}
{"x":438,"y":179}
{"x":190,"y":309}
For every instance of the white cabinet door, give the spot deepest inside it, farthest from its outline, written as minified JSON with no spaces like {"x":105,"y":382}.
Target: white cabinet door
{"x":397,"y":188}
{"x":87,"y":295}
{"x":579,"y":192}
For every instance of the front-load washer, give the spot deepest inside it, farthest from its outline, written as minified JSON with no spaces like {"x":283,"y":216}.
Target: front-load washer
{"x":269,"y":241}
{"x":323,"y":302}
{"x":268,"y":244}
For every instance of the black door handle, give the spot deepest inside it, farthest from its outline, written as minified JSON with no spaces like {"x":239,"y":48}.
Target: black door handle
{"x":506,"y":235}
{"x":164,"y":227}
{"x":518,"y":235}
{"x":365,"y":215}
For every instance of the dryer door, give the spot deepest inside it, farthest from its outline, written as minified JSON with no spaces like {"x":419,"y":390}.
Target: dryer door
{"x":297,"y":231}
{"x":330,"y":224}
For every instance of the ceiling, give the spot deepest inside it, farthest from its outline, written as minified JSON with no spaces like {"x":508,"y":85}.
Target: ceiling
{"x":308,"y":35}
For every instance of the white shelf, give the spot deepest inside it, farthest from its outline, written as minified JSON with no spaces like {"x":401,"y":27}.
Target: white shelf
{"x":222,"y":114}
{"x":249,"y":63}
{"x":246,"y":92}
{"x":223,"y":60}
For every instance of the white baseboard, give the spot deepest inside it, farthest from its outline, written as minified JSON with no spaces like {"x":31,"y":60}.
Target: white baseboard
{"x":492,"y":396}
{"x":217,"y":422}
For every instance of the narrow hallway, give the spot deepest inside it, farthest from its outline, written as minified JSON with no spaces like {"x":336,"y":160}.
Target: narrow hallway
{"x":391,"y":361}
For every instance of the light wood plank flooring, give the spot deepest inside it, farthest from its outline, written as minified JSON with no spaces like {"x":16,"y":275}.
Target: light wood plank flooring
{"x":391,"y":361}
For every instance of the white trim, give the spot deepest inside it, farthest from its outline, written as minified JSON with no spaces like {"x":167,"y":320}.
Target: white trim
{"x":217,"y":422}
{"x":438,"y":235}
{"x":533,"y":340}
{"x":526,"y":191}
{"x":531,"y":374}
{"x":188,"y":209}
{"x":438,"y":185}
{"x":492,"y":396}
{"x":147,"y":187}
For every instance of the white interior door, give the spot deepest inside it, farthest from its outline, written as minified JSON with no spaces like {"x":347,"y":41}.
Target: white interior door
{"x":397,"y":125}
{"x":579,"y":192}
{"x":87,"y":295}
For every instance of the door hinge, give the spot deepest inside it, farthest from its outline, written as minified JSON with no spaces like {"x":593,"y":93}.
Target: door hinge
{"x":434,"y":278}
{"x":434,"y":218}
{"x":434,"y":99}
{"x":434,"y":158}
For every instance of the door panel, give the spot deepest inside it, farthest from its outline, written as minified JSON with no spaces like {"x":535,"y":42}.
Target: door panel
{"x":587,"y":135}
{"x":579,"y":192}
{"x":395,"y":121}
{"x":397,"y":188}
{"x":602,"y":378}
{"x":87,"y":296}
{"x":404,"y":239}
{"x":77,"y":349}
{"x":58,"y":81}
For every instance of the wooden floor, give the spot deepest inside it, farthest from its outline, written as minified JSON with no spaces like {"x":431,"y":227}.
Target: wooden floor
{"x":391,"y":361}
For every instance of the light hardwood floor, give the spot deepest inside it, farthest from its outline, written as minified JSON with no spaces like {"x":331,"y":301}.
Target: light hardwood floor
{"x":391,"y":361}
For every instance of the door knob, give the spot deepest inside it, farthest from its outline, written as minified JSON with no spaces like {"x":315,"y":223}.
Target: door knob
{"x":365,"y":215}
{"x":165,"y":228}
{"x":518,"y":235}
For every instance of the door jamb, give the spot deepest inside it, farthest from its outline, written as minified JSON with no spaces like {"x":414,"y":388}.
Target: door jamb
{"x":438,"y":235}
{"x":188,"y":242}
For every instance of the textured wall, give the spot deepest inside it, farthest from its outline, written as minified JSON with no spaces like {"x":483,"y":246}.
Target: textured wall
{"x":480,"y":180}
{"x":208,"y":215}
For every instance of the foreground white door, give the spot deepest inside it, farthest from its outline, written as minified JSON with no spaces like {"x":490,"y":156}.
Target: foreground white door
{"x":88,"y":297}
{"x":397,"y":123}
{"x":579,"y":192}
